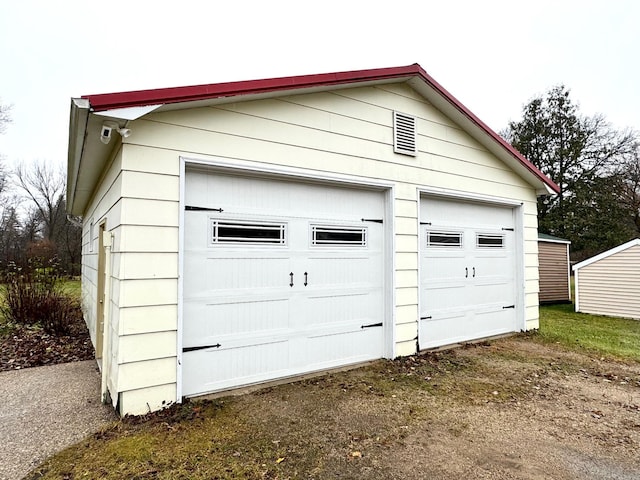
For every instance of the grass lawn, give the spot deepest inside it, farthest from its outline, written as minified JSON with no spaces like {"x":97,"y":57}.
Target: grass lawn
{"x":72,"y":287}
{"x":604,"y":336}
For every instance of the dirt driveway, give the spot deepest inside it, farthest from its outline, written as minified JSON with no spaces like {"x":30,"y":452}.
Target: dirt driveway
{"x":554,"y":415}
{"x":512,"y":409}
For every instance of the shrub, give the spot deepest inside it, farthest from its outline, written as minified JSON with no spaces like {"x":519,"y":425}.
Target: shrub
{"x":34,"y":294}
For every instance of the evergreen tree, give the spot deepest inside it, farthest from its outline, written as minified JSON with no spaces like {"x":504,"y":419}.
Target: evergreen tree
{"x":584,"y":156}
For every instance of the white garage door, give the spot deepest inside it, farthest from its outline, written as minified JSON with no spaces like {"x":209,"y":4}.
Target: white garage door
{"x":280,"y":278}
{"x":467,"y":271}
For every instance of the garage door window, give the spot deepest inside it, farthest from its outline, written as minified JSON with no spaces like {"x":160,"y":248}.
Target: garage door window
{"x":232,"y":232}
{"x":489,"y":241}
{"x":444,"y":239}
{"x":323,"y":235}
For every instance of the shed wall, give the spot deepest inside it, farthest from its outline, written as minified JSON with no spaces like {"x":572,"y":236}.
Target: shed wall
{"x":345,"y":132}
{"x":554,"y":272}
{"x":610,"y":286}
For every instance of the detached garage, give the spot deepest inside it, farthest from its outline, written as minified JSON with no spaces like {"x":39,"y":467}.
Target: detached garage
{"x":243,"y":232}
{"x":609,"y":283}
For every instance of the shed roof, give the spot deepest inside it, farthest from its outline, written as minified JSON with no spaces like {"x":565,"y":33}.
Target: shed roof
{"x":87,"y":154}
{"x":608,"y":253}
{"x":545,"y":237}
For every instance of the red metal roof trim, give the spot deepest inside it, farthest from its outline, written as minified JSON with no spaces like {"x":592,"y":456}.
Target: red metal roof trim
{"x":109,"y":101}
{"x":456,"y":103}
{"x":139,"y":98}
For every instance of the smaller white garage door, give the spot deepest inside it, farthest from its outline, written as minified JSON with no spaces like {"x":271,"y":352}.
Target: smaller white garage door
{"x":280,"y":278}
{"x":467,"y":271}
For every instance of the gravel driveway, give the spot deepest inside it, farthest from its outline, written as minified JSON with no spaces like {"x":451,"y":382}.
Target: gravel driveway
{"x":46,"y":409}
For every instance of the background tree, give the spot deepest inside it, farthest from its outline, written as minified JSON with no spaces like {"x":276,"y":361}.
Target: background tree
{"x":33,"y":219}
{"x":5,"y":116}
{"x":585,"y":157}
{"x":43,"y":186}
{"x":630,"y":190}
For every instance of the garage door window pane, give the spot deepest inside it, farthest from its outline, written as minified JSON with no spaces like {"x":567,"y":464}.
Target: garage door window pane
{"x":489,"y":241}
{"x":338,"y":236}
{"x":248,"y":232}
{"x":444,"y":239}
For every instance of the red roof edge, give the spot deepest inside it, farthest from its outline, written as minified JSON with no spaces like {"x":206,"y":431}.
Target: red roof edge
{"x":109,"y":101}
{"x":139,"y":98}
{"x":471,"y":116}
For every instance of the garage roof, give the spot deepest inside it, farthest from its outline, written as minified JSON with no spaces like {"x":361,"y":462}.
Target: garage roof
{"x":88,"y":113}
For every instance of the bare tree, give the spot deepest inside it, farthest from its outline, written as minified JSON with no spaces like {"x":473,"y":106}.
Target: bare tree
{"x":44,"y":185}
{"x":5,"y":116}
{"x":630,"y":191}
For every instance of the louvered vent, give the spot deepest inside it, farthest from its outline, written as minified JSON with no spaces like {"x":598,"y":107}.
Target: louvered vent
{"x":404,"y":134}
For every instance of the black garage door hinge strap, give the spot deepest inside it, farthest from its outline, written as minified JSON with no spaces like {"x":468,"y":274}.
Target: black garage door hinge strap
{"x":508,"y":306}
{"x":372,"y":325}
{"x":193,"y":349}
{"x":202,"y":209}
{"x":374,"y":220}
{"x":426,"y":318}
{"x":507,"y":229}
{"x":425,"y":223}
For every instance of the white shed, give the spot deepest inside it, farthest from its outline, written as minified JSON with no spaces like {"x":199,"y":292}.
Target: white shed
{"x":609,"y":283}
{"x":243,"y":232}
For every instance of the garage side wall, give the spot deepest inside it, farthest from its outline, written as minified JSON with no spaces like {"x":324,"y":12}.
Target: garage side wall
{"x":610,"y":285}
{"x":350,"y":132}
{"x":104,"y":207}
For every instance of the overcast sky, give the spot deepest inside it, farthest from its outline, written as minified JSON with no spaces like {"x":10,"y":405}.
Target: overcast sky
{"x":492,"y":55}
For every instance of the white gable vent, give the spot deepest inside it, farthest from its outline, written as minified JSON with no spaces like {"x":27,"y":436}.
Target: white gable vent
{"x":404,"y":134}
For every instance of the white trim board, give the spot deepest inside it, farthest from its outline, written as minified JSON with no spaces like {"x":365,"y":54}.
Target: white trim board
{"x":237,"y":167}
{"x":565,"y":242}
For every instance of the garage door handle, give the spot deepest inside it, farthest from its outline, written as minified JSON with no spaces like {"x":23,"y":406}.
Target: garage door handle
{"x":305,"y":279}
{"x":466,"y":272}
{"x":474,"y":272}
{"x":291,"y":283}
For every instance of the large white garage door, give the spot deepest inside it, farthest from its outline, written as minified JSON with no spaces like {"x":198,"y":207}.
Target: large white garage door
{"x":467,"y":271}
{"x":280,"y":278}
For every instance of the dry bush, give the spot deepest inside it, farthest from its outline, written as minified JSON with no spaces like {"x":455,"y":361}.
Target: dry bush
{"x":34,"y":294}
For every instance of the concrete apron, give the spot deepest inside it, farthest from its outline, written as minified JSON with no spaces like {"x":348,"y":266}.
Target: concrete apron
{"x":46,"y":409}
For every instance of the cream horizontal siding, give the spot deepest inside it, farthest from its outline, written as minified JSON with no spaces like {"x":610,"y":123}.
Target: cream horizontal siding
{"x":141,"y":185}
{"x":146,"y":265}
{"x":137,"y":211}
{"x":147,"y":373}
{"x":150,"y":161}
{"x":149,"y":238}
{"x":144,"y":216}
{"x":147,"y":346}
{"x":144,"y":400}
{"x":238,"y":147}
{"x":148,"y":319}
{"x":147,"y":292}
{"x":611,"y":285}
